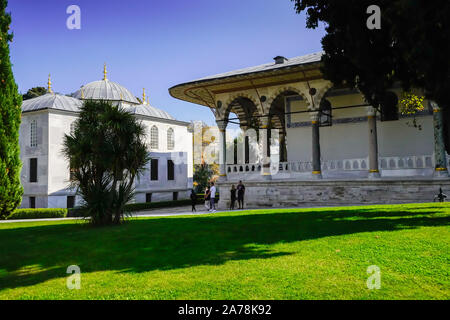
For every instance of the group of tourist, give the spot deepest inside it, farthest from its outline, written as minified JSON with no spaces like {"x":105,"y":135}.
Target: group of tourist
{"x":210,"y":197}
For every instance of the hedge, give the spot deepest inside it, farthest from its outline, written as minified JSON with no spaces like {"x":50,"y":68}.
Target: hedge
{"x":37,"y":214}
{"x":76,"y":212}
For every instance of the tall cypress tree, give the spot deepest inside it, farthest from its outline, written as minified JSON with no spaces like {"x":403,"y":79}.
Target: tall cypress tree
{"x":10,"y":112}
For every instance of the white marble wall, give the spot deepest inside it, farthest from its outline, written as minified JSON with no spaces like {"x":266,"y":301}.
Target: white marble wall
{"x":279,"y":193}
{"x":34,"y":189}
{"x":52,"y":187}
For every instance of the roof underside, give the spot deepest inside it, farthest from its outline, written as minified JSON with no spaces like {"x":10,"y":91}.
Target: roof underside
{"x":203,"y":90}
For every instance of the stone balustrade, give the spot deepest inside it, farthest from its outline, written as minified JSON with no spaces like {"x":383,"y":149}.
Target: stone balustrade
{"x":335,"y":166}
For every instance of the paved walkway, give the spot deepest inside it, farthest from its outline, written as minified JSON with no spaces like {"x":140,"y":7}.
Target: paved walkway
{"x":180,"y":211}
{"x":162,"y":212}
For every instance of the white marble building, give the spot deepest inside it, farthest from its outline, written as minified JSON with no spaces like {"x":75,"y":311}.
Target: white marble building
{"x":46,"y":119}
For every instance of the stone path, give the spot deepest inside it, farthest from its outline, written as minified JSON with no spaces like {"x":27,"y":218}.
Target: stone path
{"x":178,"y":211}
{"x":162,"y":212}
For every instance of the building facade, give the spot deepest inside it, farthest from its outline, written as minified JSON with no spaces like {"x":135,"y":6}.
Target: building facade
{"x":47,"y":119}
{"x":309,"y":143}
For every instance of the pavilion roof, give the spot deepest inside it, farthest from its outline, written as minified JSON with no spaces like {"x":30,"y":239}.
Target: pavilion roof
{"x":202,"y":91}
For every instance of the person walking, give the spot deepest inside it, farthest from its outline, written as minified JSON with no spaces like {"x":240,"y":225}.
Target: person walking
{"x":212,"y":193}
{"x":193,"y":200}
{"x":207,"y":198}
{"x":241,"y":193}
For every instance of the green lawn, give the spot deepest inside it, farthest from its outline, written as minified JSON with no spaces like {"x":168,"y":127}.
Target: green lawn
{"x":260,"y":254}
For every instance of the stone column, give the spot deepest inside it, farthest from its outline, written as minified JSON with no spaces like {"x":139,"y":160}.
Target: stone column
{"x":241,"y":147}
{"x":316,"y":164}
{"x":373,"y":143}
{"x":264,"y":146}
{"x":222,"y":125}
{"x":440,"y":157}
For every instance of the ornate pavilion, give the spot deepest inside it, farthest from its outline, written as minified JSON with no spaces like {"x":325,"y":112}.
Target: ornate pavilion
{"x":318,"y":145}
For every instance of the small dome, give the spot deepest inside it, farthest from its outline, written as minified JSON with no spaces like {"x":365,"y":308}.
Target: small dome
{"x":52,"y":101}
{"x":105,"y":90}
{"x":148,"y":110}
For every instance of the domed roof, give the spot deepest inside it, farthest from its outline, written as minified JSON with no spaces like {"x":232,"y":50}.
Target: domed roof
{"x":105,"y":90}
{"x":148,"y":110}
{"x":52,"y":101}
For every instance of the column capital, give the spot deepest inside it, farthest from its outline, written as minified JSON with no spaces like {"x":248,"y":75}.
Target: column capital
{"x":264,"y":121}
{"x":371,"y":111}
{"x":435,"y":106}
{"x":222,"y":124}
{"x":314,"y":115}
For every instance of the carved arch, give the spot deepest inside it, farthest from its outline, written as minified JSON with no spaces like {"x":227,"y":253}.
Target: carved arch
{"x":319,"y":96}
{"x":249,"y":113}
{"x":237,"y":95}
{"x":280,"y":90}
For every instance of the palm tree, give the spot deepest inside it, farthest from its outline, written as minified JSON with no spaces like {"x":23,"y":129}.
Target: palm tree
{"x":106,"y":153}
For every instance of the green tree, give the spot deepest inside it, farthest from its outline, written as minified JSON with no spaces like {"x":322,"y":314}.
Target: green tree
{"x":34,"y":93}
{"x":412,"y":47}
{"x":10,"y":112}
{"x":203,"y":174}
{"x":106,"y":152}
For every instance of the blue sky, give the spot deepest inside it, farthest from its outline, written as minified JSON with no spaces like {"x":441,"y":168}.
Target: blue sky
{"x":152,"y":44}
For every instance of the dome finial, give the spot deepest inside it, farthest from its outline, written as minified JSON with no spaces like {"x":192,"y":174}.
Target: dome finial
{"x":143,"y":95}
{"x":104,"y":72}
{"x":49,"y":85}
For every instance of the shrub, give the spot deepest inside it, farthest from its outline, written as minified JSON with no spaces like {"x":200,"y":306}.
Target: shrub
{"x":106,"y":152}
{"x":10,"y":114}
{"x":37,"y":214}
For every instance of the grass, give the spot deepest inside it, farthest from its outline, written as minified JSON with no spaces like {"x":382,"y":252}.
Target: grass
{"x":259,"y":254}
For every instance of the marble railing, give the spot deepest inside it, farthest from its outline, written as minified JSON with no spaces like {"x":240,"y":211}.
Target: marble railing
{"x":361,"y":164}
{"x":414,"y":162}
{"x":243,"y":168}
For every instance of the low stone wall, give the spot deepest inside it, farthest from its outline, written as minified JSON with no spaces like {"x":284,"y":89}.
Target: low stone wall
{"x":276,"y":193}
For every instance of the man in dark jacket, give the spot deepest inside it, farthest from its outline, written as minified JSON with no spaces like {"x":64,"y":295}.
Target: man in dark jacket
{"x":241,"y":193}
{"x":193,"y":200}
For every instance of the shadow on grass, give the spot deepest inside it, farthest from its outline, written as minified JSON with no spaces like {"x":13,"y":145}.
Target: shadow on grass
{"x":178,"y":242}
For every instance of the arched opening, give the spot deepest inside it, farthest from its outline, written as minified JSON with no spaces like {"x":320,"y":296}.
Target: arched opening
{"x":241,"y":115}
{"x":277,"y":121}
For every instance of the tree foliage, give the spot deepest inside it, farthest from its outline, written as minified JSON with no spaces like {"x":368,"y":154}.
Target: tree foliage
{"x":10,"y":112}
{"x":203,"y":174}
{"x":106,"y":152}
{"x":34,"y":93}
{"x":412,"y":47}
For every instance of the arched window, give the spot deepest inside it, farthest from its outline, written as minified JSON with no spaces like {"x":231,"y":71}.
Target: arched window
{"x":154,"y":137}
{"x":170,"y":139}
{"x":33,"y":133}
